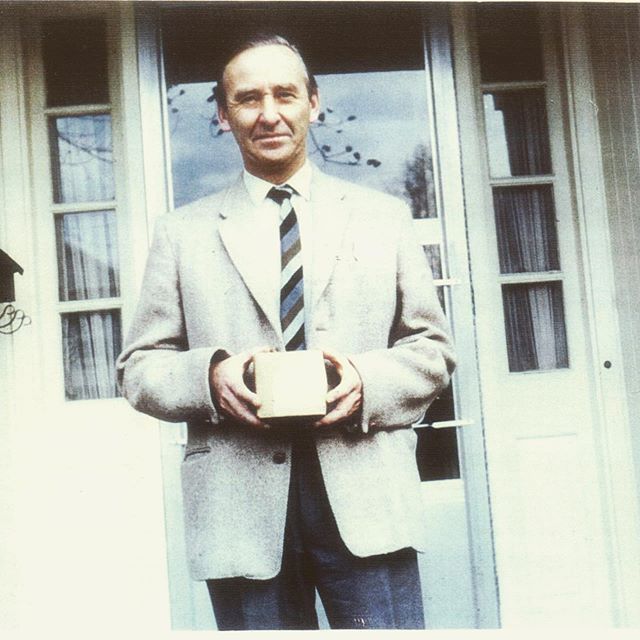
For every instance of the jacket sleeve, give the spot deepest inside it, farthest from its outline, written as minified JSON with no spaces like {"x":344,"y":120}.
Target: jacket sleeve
{"x":401,"y":381}
{"x":157,"y":372}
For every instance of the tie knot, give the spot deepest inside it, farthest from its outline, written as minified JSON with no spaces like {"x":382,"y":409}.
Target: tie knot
{"x":280,"y":194}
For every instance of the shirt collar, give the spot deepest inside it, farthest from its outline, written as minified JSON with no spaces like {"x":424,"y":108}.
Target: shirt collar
{"x":259,"y":188}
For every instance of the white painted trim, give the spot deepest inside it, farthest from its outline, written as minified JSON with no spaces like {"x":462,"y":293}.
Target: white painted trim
{"x":618,"y":476}
{"x":76,"y":110}
{"x":189,"y":600}
{"x":41,"y":219}
{"x":450,"y":424}
{"x":18,"y":353}
{"x":471,"y":440}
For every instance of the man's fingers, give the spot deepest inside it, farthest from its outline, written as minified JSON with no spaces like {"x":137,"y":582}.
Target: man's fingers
{"x":335,"y":359}
{"x":346,"y":386}
{"x":246,"y":395}
{"x":346,"y":396}
{"x":346,"y":407}
{"x":233,"y":406}
{"x":231,"y":391}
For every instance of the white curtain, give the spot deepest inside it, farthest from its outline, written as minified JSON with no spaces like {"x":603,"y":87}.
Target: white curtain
{"x":526,"y":134}
{"x":536,"y":334}
{"x":88,"y":262}
{"x":91,"y":343}
{"x":526,"y":229}
{"x":89,"y":269}
{"x":82,"y":158}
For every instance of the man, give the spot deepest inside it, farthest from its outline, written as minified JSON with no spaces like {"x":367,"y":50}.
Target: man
{"x":288,"y":258}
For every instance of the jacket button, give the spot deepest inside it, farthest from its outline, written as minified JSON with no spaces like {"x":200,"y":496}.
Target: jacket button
{"x":279,"y":457}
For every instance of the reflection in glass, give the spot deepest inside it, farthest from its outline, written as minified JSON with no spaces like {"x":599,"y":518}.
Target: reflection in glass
{"x":536,"y":335}
{"x":526,"y":228}
{"x":517,"y":133}
{"x":90,"y":343}
{"x":82,"y":158}
{"x":88,"y":265}
{"x":372,"y":131}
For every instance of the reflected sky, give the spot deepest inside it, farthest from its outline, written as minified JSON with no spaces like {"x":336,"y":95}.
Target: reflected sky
{"x":389,"y":128}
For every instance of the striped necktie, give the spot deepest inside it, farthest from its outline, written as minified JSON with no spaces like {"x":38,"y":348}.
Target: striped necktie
{"x":291,"y":283}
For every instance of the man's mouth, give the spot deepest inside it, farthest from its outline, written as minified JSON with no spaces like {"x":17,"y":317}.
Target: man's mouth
{"x":270,"y":136}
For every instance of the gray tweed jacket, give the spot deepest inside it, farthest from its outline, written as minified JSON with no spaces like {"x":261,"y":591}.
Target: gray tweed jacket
{"x":204,"y":289}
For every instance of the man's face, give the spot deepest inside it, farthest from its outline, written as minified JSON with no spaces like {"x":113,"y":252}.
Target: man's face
{"x":269,"y":110}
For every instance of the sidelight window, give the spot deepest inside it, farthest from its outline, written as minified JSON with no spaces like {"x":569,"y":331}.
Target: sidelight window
{"x":83,"y":204}
{"x":522,"y":180}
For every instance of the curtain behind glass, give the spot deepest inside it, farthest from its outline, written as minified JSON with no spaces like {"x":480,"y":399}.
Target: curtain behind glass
{"x":534,"y":317}
{"x":88,"y":265}
{"x":91,"y":343}
{"x":82,"y":158}
{"x":521,"y":130}
{"x":526,"y":228}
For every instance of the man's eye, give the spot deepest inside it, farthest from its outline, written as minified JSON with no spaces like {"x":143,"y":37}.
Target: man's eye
{"x":286,"y":95}
{"x":248,"y":99}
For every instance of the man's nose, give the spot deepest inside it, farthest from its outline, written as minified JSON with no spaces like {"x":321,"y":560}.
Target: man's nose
{"x":269,"y":114}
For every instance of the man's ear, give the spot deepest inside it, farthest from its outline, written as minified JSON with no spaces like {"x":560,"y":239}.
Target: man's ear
{"x":222,"y":119}
{"x":315,"y":107}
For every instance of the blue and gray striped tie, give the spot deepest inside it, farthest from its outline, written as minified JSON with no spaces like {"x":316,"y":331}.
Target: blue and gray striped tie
{"x":291,"y":283}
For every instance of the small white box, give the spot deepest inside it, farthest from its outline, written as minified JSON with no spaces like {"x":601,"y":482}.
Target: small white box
{"x":291,"y":384}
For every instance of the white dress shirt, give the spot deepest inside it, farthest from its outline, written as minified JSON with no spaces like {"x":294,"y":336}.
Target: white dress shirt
{"x":301,"y":202}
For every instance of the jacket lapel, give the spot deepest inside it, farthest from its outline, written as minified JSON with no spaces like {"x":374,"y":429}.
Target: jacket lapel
{"x":330,"y":217}
{"x":242,"y":232}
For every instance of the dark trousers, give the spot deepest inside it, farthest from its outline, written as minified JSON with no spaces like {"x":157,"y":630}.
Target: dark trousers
{"x":376,"y":592}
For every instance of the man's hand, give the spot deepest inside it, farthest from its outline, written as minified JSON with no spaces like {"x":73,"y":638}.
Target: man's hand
{"x":230,"y":391}
{"x":346,"y":398}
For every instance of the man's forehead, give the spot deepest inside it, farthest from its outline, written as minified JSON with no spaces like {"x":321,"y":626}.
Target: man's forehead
{"x":275,"y":64}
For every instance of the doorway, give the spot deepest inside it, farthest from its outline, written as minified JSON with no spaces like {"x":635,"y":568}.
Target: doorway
{"x":388,"y":121}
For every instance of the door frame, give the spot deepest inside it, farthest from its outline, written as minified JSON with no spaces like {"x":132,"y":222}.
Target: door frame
{"x":471,"y":438}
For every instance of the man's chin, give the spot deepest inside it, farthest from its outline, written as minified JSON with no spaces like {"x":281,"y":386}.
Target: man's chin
{"x":273,"y":168}
{"x":273,"y":158}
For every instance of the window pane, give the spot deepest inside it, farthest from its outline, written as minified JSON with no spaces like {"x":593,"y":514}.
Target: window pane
{"x":88,"y":265}
{"x":536,"y":334}
{"x":75,"y":62}
{"x":437,"y":450}
{"x":373,"y":128}
{"x":509,"y":43}
{"x":82,"y":158}
{"x":526,"y":228}
{"x":90,"y":345}
{"x":437,"y":454}
{"x":517,"y":133}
